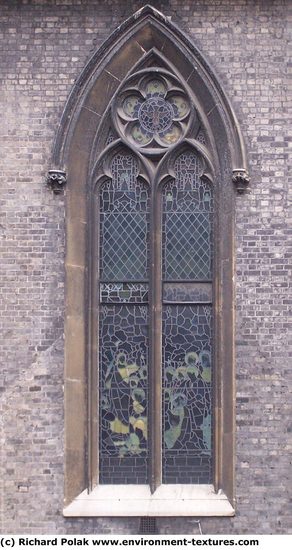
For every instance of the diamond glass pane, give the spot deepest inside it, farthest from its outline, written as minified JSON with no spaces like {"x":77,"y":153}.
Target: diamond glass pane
{"x":124,"y":203}
{"x":123,"y":392}
{"x":187,"y":223}
{"x":187,"y":398}
{"x":124,"y":244}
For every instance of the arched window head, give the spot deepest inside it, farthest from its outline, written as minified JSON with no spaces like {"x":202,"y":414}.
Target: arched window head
{"x":152,"y":149}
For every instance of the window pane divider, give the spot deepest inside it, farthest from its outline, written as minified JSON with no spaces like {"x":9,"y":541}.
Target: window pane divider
{"x":104,"y":302}
{"x":191,"y":281}
{"x":155,"y":379}
{"x":179,"y":302}
{"x":127,"y":282}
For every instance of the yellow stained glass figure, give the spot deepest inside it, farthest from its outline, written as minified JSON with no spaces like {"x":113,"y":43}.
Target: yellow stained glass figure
{"x":139,"y":135}
{"x":172,"y":135}
{"x":155,"y":87}
{"x":131,"y":105}
{"x":180,"y":105}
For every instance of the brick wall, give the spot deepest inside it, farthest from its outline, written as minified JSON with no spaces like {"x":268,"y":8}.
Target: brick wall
{"x":45,"y":45}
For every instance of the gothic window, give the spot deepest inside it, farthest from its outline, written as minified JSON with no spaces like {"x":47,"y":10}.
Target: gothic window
{"x":152,"y":149}
{"x":153,"y":291}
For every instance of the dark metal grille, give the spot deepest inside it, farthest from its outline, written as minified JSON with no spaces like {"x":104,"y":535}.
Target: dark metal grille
{"x":148,"y":526}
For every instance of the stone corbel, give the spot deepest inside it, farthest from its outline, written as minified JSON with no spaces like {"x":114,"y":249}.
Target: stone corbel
{"x":240,"y":179}
{"x":57,"y":180}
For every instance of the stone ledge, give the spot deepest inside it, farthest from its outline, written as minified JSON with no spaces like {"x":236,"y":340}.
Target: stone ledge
{"x":136,"y":500}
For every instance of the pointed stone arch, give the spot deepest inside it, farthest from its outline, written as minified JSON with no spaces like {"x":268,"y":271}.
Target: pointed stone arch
{"x":140,"y":42}
{"x":133,"y":43}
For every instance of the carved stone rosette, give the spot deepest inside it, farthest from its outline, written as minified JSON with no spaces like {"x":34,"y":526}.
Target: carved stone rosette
{"x":240,"y":178}
{"x":57,"y":180}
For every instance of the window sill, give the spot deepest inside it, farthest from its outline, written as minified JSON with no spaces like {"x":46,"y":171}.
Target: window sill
{"x":136,"y":500}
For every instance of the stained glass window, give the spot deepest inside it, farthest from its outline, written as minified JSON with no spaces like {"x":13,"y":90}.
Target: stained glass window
{"x":152,"y":114}
{"x":155,"y":114}
{"x":187,"y":325}
{"x":187,"y":214}
{"x":123,"y":213}
{"x":123,"y":324}
{"x":124,"y":371}
{"x":150,"y":336}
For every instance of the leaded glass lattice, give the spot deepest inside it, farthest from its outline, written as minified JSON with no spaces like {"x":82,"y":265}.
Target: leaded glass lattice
{"x":201,"y":137}
{"x":186,"y":394}
{"x":187,"y":293}
{"x":155,"y":113}
{"x":124,"y":232}
{"x":123,"y":389}
{"x":187,"y":223}
{"x":187,"y":325}
{"x":123,"y":325}
{"x":117,"y":293}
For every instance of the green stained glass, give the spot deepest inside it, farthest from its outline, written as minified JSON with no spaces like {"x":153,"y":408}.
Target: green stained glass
{"x":172,"y":135}
{"x":123,"y":379}
{"x":140,"y":135}
{"x":152,"y":117}
{"x":180,"y":106}
{"x":187,"y":393}
{"x":123,"y":325}
{"x":187,"y":325}
{"x":131,"y":106}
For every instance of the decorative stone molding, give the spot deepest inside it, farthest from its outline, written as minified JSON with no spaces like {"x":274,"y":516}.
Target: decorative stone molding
{"x":241,"y":179}
{"x":57,"y":180}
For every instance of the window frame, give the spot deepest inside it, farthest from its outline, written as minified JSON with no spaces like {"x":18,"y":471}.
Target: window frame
{"x":156,"y":182}
{"x":138,"y":41}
